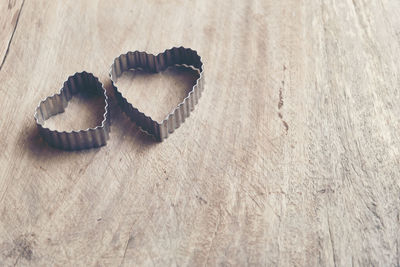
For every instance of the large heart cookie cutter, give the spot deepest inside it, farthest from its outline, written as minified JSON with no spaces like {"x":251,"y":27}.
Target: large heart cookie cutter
{"x":52,"y":105}
{"x":152,"y":63}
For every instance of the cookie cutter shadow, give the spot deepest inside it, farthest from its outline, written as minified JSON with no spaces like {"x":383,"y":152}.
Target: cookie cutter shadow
{"x":40,"y":149}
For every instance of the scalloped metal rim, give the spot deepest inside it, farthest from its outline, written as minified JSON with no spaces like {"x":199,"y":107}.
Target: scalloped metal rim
{"x":152,"y":63}
{"x":56,"y":103}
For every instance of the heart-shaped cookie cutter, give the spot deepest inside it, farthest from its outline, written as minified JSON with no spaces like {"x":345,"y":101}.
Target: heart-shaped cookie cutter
{"x":52,"y":105}
{"x":151,"y":63}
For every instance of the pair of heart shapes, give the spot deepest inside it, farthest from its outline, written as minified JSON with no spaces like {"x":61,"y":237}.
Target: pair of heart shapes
{"x":87,"y":82}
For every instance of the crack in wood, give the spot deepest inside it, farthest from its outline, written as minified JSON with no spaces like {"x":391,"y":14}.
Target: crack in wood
{"x":12,"y":36}
{"x":331,"y":240}
{"x":217,"y":225}
{"x":280,"y":103}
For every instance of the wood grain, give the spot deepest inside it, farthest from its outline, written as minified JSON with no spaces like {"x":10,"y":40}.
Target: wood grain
{"x":291,"y":157}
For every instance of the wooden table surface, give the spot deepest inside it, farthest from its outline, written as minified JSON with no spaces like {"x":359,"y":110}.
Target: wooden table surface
{"x":291,"y":157}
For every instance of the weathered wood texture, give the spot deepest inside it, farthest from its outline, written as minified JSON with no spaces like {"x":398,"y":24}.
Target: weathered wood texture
{"x":291,"y":157}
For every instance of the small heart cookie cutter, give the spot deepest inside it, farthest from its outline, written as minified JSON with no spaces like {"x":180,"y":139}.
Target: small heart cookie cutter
{"x":52,"y":105}
{"x":151,"y":63}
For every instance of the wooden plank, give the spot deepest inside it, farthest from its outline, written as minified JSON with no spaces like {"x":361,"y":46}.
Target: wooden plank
{"x":291,"y":157}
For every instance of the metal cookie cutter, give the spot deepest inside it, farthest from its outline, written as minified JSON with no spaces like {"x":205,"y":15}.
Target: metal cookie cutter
{"x":52,"y":105}
{"x":151,"y":63}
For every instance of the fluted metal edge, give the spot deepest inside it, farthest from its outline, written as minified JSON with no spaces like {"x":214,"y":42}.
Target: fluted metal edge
{"x":56,"y":103}
{"x":152,"y":63}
